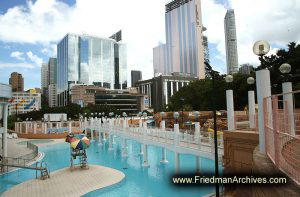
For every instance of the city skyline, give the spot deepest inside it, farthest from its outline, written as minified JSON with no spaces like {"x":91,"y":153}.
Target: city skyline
{"x":24,"y":47}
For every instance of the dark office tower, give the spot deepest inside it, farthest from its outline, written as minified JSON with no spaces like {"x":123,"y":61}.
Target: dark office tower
{"x":136,"y":75}
{"x":52,"y":71}
{"x":17,"y":82}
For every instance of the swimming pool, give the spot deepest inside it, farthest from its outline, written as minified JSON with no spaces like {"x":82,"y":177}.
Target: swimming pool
{"x":153,"y":181}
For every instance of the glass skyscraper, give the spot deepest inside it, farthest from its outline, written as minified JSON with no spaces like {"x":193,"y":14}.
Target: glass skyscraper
{"x":86,"y":59}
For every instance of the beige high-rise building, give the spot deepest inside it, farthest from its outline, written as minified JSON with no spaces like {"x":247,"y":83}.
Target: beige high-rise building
{"x":17,"y":82}
{"x":183,"y":52}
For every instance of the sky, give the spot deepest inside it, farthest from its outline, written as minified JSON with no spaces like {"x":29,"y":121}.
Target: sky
{"x":30,"y":30}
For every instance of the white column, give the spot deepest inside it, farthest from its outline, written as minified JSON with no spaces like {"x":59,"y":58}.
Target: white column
{"x":166,"y":91}
{"x":70,"y":127}
{"x":149,"y":95}
{"x":176,"y":134}
{"x":251,"y":106}
{"x":146,"y":164}
{"x":124,"y":123}
{"x":34,"y":127}
{"x":197,"y":138}
{"x":230,"y":110}
{"x":172,"y":88}
{"x":263,"y":86}
{"x":92,"y":129}
{"x":163,"y":125}
{"x":286,"y":88}
{"x":177,"y":86}
{"x":45,"y":127}
{"x":4,"y":117}
{"x":198,"y":163}
{"x":26,"y":127}
{"x":177,"y":162}
{"x":85,"y":122}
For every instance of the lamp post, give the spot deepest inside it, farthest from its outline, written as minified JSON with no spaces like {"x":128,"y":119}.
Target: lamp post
{"x":182,"y":103}
{"x":162,"y":114}
{"x":212,"y":73}
{"x":229,"y":104}
{"x":251,"y":103}
{"x":176,"y":116}
{"x":261,"y":48}
{"x":285,"y":69}
{"x":263,"y":88}
{"x":145,"y":115}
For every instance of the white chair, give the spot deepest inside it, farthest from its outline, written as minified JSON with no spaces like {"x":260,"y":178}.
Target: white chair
{"x":9,"y":136}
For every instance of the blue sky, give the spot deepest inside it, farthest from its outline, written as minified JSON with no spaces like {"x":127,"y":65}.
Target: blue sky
{"x":30,"y":29}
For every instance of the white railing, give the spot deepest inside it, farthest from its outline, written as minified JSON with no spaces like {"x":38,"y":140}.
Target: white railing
{"x":165,"y":138}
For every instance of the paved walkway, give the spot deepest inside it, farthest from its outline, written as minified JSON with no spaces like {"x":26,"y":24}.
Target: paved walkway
{"x":65,"y":182}
{"x":14,"y":149}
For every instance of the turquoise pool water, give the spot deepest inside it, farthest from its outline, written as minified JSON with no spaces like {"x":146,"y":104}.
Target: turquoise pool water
{"x":139,"y":181}
{"x":35,"y":142}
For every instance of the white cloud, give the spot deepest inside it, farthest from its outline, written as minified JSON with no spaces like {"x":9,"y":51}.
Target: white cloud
{"x":273,"y":20}
{"x":143,"y":25}
{"x":50,"y":50}
{"x":16,"y":65}
{"x":34,"y":58}
{"x":18,"y":55}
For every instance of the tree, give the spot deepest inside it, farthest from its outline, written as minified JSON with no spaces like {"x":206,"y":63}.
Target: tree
{"x":198,"y":94}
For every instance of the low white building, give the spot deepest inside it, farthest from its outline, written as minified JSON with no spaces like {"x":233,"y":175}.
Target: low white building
{"x":24,"y":102}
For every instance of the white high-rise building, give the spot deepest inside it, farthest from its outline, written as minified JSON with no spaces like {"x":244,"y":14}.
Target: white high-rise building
{"x":231,"y":42}
{"x":44,"y":76}
{"x":183,"y":52}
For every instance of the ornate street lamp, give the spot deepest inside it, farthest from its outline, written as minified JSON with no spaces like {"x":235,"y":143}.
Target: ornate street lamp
{"x":176,"y":116}
{"x":162,"y":114}
{"x":124,"y":115}
{"x":261,"y":48}
{"x":182,"y":103}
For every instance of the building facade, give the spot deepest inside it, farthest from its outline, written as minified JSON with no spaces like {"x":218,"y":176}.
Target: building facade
{"x":159,"y":60}
{"x":184,"y":40}
{"x":17,"y":82}
{"x":160,"y":89}
{"x":231,"y":42}
{"x":246,"y":69}
{"x":128,"y":100}
{"x":52,"y":95}
{"x":84,"y":95}
{"x":24,"y":102}
{"x":136,"y":75}
{"x":44,"y":77}
{"x":86,"y":59}
{"x":52,"y":71}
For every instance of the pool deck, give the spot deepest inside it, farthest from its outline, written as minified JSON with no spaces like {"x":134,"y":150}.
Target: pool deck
{"x":65,"y":182}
